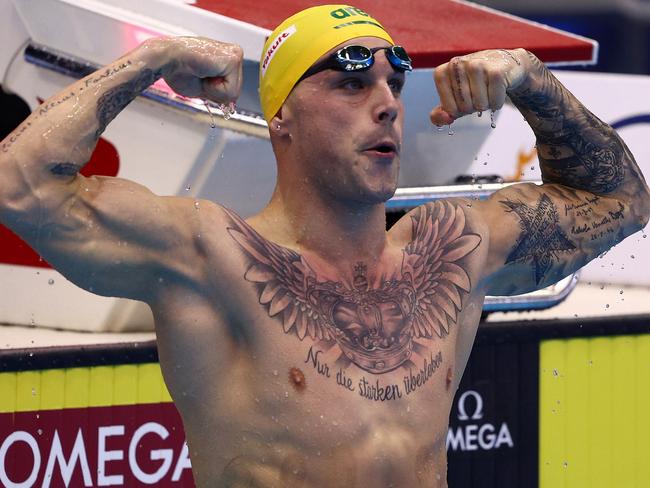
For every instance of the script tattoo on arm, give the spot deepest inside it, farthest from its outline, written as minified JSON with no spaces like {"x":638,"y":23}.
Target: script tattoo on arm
{"x":378,"y":323}
{"x":575,"y":147}
{"x":116,"y":99}
{"x":560,"y":231}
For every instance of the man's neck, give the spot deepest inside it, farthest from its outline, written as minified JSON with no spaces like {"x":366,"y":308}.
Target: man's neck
{"x":336,"y":231}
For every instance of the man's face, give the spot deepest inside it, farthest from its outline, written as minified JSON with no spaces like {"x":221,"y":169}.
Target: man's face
{"x":347,"y":128}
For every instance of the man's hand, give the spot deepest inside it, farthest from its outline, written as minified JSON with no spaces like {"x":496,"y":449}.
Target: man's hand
{"x":478,"y":82}
{"x":203,"y":68}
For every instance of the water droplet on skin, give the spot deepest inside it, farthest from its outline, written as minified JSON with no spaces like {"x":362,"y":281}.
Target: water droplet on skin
{"x":275,"y":372}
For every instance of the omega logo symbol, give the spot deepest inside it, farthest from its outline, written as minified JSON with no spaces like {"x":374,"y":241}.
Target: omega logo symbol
{"x":475,"y":436}
{"x":478,"y":413}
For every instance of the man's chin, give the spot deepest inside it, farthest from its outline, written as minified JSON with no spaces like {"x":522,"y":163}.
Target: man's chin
{"x":379,"y":195}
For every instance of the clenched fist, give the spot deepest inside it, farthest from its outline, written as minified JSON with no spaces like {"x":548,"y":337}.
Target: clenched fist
{"x":202,"y":67}
{"x":478,"y":82}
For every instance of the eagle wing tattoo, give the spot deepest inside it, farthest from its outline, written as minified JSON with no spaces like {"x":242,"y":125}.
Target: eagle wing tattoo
{"x":374,"y":324}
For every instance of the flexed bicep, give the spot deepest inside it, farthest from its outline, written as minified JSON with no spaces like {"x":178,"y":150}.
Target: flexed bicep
{"x":114,"y":237}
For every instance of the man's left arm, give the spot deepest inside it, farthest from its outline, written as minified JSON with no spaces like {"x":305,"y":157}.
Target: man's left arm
{"x":593,"y":195}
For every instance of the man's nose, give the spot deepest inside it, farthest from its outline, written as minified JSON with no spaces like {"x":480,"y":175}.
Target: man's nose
{"x":387,"y":104}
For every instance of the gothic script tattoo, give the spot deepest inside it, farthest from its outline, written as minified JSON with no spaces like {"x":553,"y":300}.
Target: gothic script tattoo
{"x":374,"y":323}
{"x":541,"y":236}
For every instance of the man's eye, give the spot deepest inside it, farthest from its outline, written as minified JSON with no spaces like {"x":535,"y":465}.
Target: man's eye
{"x":396,"y":85}
{"x":352,"y":84}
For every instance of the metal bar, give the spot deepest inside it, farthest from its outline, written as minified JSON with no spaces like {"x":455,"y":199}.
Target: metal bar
{"x":242,"y":121}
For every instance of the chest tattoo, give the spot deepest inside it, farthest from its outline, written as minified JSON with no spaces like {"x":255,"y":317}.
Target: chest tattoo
{"x":375,"y":323}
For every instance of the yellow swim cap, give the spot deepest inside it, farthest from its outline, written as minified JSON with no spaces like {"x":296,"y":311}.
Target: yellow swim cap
{"x":303,"y":38}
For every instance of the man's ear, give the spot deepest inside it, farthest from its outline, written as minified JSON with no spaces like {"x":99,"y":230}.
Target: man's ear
{"x":279,"y":124}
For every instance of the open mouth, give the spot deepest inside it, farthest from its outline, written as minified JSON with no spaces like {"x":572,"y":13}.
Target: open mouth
{"x":388,"y":149}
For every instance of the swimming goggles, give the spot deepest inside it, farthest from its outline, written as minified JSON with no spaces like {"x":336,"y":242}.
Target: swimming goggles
{"x":360,"y":58}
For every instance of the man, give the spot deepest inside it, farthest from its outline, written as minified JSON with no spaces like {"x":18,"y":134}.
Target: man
{"x":307,"y":346}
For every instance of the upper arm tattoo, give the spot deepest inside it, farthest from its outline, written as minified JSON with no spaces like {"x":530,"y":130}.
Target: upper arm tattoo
{"x":64,"y":169}
{"x":374,"y":321}
{"x":542,"y":239}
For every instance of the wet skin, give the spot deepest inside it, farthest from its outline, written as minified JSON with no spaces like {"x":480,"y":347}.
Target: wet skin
{"x":288,"y":408}
{"x":307,"y":346}
{"x":296,"y":408}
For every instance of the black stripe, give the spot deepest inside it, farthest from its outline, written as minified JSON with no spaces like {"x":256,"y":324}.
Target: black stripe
{"x":37,"y":358}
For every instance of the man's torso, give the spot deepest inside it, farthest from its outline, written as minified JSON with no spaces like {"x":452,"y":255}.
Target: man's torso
{"x":296,"y":375}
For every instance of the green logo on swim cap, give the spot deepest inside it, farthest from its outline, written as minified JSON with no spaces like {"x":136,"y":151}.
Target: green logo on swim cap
{"x":342,"y":13}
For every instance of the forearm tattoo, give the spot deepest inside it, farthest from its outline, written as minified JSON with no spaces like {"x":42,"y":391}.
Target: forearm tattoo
{"x":575,"y":148}
{"x":377,"y":323}
{"x":117,"y":98}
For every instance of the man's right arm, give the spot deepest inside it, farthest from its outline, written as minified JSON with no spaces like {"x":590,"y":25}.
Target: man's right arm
{"x":109,"y":235}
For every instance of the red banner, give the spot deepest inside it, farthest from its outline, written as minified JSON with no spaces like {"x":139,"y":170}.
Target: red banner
{"x":132,"y":445}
